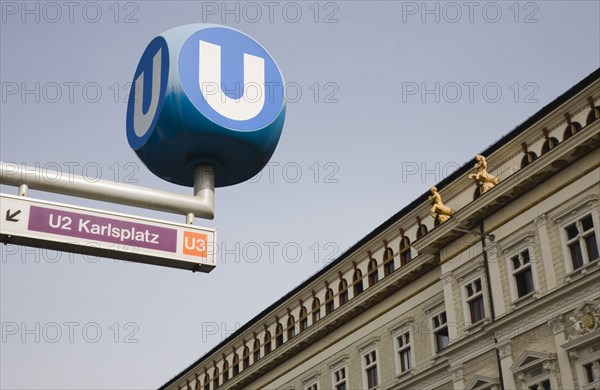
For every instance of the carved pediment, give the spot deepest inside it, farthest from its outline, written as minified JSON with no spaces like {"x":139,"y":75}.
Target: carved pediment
{"x":480,"y":382}
{"x":532,"y":359}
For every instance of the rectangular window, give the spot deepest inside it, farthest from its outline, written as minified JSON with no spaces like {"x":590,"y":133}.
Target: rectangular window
{"x":544,"y":385}
{"x":522,"y":273}
{"x":474,"y":292}
{"x":581,"y":242}
{"x":440,"y":331}
{"x":591,"y":372}
{"x":403,"y":349}
{"x":339,"y":379}
{"x":314,"y":386}
{"x":370,"y":369}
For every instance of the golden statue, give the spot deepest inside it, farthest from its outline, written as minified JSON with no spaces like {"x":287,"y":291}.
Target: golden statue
{"x":481,"y":176}
{"x":439,"y":211}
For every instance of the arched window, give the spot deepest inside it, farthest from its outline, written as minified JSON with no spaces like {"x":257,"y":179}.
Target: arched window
{"x":405,"y":256}
{"x":422,"y":230}
{"x":343,"y":292}
{"x":316,"y":310}
{"x":278,"y":335}
{"x":571,"y":129}
{"x":592,"y":115}
{"x":236,"y":364}
{"x":357,"y":282}
{"x":246,"y":358}
{"x":206,"y":382}
{"x":329,"y":304}
{"x":527,"y":159}
{"x":549,"y":144}
{"x":256,"y":350}
{"x":267,"y":343}
{"x":291,"y":327}
{"x":388,"y":261}
{"x":216,"y":378}
{"x":373,"y":272}
{"x":225,"y":371}
{"x":303,"y":319}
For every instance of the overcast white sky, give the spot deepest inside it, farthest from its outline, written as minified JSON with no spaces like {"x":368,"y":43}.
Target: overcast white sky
{"x":359,"y":143}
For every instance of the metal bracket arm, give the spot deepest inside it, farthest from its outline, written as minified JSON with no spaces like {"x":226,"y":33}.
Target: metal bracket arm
{"x":201,"y":205}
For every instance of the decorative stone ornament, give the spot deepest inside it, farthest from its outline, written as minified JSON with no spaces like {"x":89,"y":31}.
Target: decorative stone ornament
{"x":482,"y":177}
{"x":439,"y":211}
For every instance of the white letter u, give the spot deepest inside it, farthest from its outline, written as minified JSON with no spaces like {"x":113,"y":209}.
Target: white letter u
{"x":209,"y":78}
{"x":141,"y":120}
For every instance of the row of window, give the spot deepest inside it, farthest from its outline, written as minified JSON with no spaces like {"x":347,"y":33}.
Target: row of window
{"x":582,"y":247}
{"x":303,"y":323}
{"x":551,"y":142}
{"x":581,"y":242}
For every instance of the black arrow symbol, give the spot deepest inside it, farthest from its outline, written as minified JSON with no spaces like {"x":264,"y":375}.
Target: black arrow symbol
{"x":11,"y":217}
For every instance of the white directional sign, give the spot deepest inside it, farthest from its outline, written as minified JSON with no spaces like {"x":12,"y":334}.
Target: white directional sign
{"x":32,"y":222}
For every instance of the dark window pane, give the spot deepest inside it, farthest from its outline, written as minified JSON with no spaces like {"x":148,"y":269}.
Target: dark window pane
{"x":524,"y":281}
{"x":469,"y":290}
{"x":372,"y":377}
{"x":576,"y":257}
{"x":592,"y":247}
{"x":572,"y":231}
{"x":477,"y":310}
{"x":587,"y":222}
{"x":525,"y":256}
{"x":589,"y":372}
{"x":441,"y":339}
{"x":516,"y":262}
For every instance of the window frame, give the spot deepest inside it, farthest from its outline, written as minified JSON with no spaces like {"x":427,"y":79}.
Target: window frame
{"x":357,"y":283}
{"x":316,"y":310}
{"x":366,"y":349}
{"x":434,"y":330}
{"x":388,"y":262}
{"x":303,"y":319}
{"x":373,"y":272}
{"x":336,"y":383}
{"x":256,"y":350}
{"x":568,"y":216}
{"x":329,"y":301}
{"x":466,"y":278}
{"x":344,"y":294}
{"x":405,"y":327}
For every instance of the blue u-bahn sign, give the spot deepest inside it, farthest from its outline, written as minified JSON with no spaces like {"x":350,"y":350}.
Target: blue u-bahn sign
{"x":205,"y":94}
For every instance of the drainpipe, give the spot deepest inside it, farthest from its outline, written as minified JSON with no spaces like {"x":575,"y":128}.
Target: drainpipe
{"x":490,"y":300}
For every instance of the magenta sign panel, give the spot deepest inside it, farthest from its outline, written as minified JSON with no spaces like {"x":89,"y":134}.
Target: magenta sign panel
{"x":115,"y":231}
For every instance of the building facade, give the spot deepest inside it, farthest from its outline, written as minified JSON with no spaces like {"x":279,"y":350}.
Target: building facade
{"x":490,"y":281}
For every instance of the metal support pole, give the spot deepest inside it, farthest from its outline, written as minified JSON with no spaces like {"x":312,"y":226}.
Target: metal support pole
{"x":201,"y":205}
{"x":23,"y":190}
{"x":204,"y":188}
